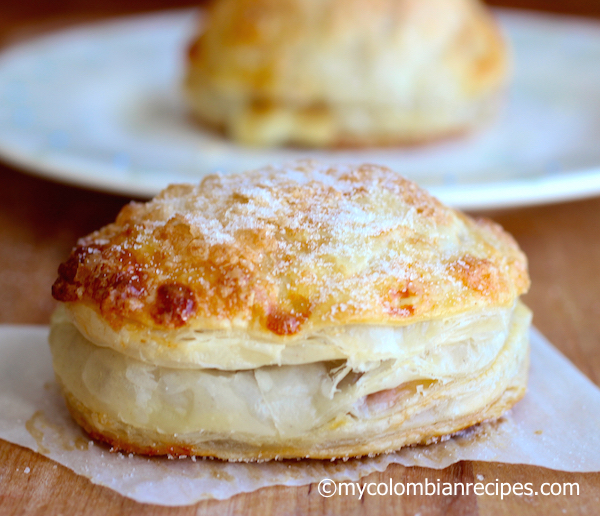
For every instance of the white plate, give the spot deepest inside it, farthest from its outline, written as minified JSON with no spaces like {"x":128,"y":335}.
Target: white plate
{"x":99,"y":106}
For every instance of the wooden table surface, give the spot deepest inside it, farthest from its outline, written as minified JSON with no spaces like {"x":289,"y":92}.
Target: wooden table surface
{"x":40,"y":221}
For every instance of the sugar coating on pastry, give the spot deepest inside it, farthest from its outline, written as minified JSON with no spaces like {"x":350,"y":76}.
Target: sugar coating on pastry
{"x":298,"y":311}
{"x":285,"y":250}
{"x":346,"y":72}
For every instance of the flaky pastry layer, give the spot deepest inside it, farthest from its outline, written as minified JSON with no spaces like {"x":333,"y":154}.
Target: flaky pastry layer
{"x":320,"y":410}
{"x":233,"y":349}
{"x":336,"y":125}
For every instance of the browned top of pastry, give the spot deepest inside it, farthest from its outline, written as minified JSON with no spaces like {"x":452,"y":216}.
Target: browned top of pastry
{"x":375,"y":51}
{"x":288,"y":249}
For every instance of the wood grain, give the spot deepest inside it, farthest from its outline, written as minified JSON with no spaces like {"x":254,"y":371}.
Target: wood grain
{"x":40,"y":221}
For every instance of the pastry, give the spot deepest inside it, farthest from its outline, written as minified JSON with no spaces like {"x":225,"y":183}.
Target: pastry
{"x":298,"y":311}
{"x":331,"y":73}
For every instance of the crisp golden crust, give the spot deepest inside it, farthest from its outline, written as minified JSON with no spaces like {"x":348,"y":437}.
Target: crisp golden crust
{"x":287,"y":250}
{"x":346,"y":72}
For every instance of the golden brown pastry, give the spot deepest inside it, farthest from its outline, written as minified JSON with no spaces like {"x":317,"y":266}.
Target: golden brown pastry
{"x":346,"y":72}
{"x":299,"y":311}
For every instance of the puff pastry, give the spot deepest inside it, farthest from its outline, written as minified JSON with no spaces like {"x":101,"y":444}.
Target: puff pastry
{"x":323,"y":73}
{"x":297,"y":311}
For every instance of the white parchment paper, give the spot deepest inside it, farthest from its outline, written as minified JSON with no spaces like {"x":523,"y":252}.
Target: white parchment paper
{"x":556,"y":425}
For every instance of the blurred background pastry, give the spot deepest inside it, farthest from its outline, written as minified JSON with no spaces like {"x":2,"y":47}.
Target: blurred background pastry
{"x":346,"y":72}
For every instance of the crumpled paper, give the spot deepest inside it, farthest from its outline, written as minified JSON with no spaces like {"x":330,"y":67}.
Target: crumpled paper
{"x":555,"y":426}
